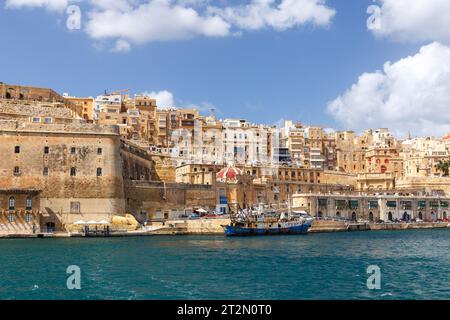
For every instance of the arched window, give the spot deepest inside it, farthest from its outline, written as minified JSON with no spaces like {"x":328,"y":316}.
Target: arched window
{"x":12,"y":203}
{"x":29,"y":204}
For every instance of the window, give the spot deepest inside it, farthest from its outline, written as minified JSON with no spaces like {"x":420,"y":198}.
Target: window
{"x":36,"y":119}
{"x":29,"y":204}
{"x":11,"y":217}
{"x":45,"y":172}
{"x":16,"y":171}
{"x":99,"y":172}
{"x":73,"y":150}
{"x":73,"y":172}
{"x":28,"y":217}
{"x":12,"y":203}
{"x":46,"y":150}
{"x":17,"y":149}
{"x":48,"y":120}
{"x":99,"y":151}
{"x":74,"y":207}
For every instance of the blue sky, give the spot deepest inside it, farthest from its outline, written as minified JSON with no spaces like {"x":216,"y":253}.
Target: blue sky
{"x":262,"y":75}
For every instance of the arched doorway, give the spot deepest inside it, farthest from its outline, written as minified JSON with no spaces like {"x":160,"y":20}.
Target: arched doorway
{"x":421,"y":215}
{"x":50,"y":227}
{"x":354,"y":216}
{"x":444,"y":215}
{"x":405,"y":216}
{"x":320,"y":214}
{"x":390,"y":216}
{"x":371,"y":216}
{"x":8,"y":95}
{"x":338,"y":215}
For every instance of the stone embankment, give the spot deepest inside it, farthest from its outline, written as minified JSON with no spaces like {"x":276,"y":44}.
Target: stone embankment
{"x":214,"y":226}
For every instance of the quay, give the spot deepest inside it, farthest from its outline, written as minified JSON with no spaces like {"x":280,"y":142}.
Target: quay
{"x":214,"y":227}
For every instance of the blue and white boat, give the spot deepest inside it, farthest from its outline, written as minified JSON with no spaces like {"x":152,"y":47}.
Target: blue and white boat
{"x":268,"y":224}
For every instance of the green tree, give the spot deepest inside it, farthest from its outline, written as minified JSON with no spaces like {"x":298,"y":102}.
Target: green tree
{"x":444,"y":167}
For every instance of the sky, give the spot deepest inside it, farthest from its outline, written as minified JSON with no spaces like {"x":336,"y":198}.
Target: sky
{"x":320,"y":62}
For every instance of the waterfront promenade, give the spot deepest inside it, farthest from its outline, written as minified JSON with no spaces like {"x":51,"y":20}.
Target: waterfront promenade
{"x":214,"y":227}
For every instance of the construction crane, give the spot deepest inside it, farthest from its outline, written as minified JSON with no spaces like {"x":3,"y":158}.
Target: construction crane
{"x":121,"y":92}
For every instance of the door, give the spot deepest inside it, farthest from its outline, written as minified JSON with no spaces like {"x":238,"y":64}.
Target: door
{"x":50,"y":227}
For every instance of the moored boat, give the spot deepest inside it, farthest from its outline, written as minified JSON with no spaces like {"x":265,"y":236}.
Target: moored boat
{"x":268,"y":224}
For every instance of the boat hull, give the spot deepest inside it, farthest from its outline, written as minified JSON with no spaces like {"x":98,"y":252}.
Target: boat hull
{"x":243,"y":231}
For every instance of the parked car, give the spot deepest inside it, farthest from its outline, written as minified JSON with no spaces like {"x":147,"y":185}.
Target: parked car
{"x":210,"y":216}
{"x":194,"y":216}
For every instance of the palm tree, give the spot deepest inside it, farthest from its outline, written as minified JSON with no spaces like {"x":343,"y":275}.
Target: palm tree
{"x":444,"y":167}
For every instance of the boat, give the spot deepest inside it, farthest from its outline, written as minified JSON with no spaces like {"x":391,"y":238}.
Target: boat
{"x":253,"y":224}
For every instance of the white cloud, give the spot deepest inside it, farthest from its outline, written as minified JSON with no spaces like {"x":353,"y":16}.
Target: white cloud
{"x":157,"y":20}
{"x":164,"y":99}
{"x":415,"y":21}
{"x":130,"y":22}
{"x":280,"y":15}
{"x":54,"y":5}
{"x":412,"y":94}
{"x":121,"y":46}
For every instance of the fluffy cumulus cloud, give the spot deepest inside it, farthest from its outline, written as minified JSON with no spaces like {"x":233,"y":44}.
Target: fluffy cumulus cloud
{"x":410,"y":95}
{"x":54,"y":5}
{"x":280,"y":15}
{"x":415,"y":21}
{"x":157,"y":20}
{"x":128,"y":22}
{"x":164,"y":98}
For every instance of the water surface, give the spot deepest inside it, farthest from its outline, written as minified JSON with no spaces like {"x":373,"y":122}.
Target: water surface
{"x":414,"y":265}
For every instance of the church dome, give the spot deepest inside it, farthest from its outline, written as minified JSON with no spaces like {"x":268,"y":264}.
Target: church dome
{"x":229,"y":174}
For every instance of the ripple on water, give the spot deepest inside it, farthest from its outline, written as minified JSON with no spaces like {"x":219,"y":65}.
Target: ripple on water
{"x":414,"y":265}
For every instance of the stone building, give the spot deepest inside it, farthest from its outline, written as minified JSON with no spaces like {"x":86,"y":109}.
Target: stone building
{"x":420,"y":156}
{"x":155,"y":200}
{"x":16,"y":92}
{"x":374,"y":207}
{"x":83,"y":107}
{"x":60,"y":172}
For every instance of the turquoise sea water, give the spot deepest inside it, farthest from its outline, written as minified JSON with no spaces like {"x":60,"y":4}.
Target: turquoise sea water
{"x":414,"y":265}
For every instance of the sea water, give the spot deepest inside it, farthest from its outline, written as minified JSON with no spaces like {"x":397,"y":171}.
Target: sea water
{"x":412,"y":264}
